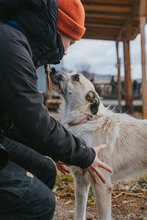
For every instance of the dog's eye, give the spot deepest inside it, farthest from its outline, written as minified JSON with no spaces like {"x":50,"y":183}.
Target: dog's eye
{"x":76,"y":77}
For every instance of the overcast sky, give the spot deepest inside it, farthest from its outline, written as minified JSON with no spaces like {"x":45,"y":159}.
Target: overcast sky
{"x":100,"y":56}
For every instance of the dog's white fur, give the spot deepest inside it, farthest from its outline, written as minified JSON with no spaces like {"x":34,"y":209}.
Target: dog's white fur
{"x":125,"y":138}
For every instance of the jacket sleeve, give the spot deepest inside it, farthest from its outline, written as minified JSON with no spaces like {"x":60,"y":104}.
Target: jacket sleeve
{"x":3,"y":156}
{"x":24,"y":105}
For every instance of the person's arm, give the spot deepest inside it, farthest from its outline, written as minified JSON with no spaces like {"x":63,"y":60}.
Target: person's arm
{"x":3,"y":156}
{"x":24,"y":105}
{"x":93,"y":169}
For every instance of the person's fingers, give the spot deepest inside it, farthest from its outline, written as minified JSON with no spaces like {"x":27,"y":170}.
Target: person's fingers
{"x":62,"y":168}
{"x":93,"y":177}
{"x":104,"y":166}
{"x":62,"y":171}
{"x":66,"y":171}
{"x":100,"y":175}
{"x":101,"y":164}
{"x":94,"y":173}
{"x":64,"y":163}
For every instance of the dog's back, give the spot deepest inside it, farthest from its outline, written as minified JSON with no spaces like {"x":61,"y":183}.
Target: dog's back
{"x":126,"y":141}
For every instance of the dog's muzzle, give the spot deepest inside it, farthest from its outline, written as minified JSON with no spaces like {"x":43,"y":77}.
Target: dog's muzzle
{"x":56,"y":76}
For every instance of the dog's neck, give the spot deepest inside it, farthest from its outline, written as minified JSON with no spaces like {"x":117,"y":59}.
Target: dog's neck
{"x":80,"y":114}
{"x":84,"y":120}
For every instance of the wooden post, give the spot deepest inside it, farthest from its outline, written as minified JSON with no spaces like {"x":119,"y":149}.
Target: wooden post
{"x":48,"y":81}
{"x":128,"y":81}
{"x":143,"y":4}
{"x":118,"y":75}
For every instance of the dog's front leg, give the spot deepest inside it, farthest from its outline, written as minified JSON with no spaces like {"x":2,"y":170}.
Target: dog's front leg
{"x":102,"y":194}
{"x":81,"y":194}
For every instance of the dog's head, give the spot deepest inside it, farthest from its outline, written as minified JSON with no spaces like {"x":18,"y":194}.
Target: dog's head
{"x":75,"y":89}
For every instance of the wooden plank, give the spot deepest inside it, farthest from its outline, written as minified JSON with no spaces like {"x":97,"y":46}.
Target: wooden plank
{"x":111,"y":21}
{"x":105,"y":16}
{"x":107,"y":31}
{"x":104,"y":31}
{"x":143,"y":5}
{"x":112,"y":26}
{"x":98,"y":37}
{"x":135,"y":33}
{"x":99,"y":34}
{"x":128,"y":81}
{"x":118,"y":75}
{"x":96,"y":25}
{"x":129,"y":19}
{"x":112,"y":2}
{"x":107,"y":8}
{"x":143,"y":8}
{"x":128,"y":32}
{"x":104,"y":21}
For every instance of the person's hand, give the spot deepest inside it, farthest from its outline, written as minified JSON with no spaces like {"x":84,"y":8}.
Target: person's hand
{"x":62,"y":167}
{"x":94,"y":170}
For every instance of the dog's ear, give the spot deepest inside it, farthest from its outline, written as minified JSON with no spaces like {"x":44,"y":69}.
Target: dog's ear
{"x":94,"y":100}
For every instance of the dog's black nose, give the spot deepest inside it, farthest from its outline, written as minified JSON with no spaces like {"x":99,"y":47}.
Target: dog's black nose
{"x":53,"y":70}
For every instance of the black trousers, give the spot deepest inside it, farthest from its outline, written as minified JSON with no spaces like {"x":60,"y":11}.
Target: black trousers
{"x":21,"y":196}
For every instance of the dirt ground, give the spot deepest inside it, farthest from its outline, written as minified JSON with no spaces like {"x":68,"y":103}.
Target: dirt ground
{"x":129,"y":200}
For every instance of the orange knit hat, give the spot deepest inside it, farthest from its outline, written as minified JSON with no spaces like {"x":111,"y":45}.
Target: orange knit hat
{"x":71,"y":17}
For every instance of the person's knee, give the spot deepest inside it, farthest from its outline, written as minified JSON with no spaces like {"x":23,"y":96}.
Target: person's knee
{"x":50,"y":173}
{"x":49,"y":207}
{"x":28,"y":197}
{"x":38,"y":202}
{"x":46,"y":207}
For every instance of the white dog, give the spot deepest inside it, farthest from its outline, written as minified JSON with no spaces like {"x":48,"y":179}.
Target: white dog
{"x":125,"y":138}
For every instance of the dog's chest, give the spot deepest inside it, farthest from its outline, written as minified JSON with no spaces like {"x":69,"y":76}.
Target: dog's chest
{"x":78,"y":132}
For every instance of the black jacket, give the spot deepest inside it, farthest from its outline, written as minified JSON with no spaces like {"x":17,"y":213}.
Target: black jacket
{"x":23,"y":47}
